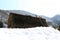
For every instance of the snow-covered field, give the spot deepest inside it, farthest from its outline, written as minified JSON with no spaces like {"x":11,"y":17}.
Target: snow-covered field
{"x":38,"y":33}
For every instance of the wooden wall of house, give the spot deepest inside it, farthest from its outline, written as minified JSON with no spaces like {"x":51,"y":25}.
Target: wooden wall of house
{"x":59,"y":28}
{"x":24,"y":21}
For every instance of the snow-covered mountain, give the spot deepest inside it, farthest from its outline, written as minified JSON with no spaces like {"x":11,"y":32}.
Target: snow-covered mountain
{"x":56,"y":19}
{"x":37,"y":33}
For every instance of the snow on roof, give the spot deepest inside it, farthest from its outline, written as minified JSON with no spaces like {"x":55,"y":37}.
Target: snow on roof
{"x":37,"y":33}
{"x":22,"y":12}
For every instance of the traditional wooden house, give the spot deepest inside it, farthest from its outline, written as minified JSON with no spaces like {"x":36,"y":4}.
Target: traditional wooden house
{"x":25,"y":21}
{"x":1,"y":24}
{"x":59,"y":28}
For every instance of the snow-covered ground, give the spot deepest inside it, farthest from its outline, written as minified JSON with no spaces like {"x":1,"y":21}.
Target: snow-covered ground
{"x":37,"y":33}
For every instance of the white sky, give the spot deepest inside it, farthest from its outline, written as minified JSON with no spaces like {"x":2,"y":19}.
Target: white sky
{"x":41,"y":7}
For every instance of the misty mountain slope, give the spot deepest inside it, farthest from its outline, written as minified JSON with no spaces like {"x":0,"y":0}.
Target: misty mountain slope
{"x":3,"y":16}
{"x":56,"y":17}
{"x":3,"y":12}
{"x":37,"y":33}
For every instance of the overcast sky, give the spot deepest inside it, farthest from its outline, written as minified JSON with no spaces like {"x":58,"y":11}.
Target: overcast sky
{"x":40,"y":7}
